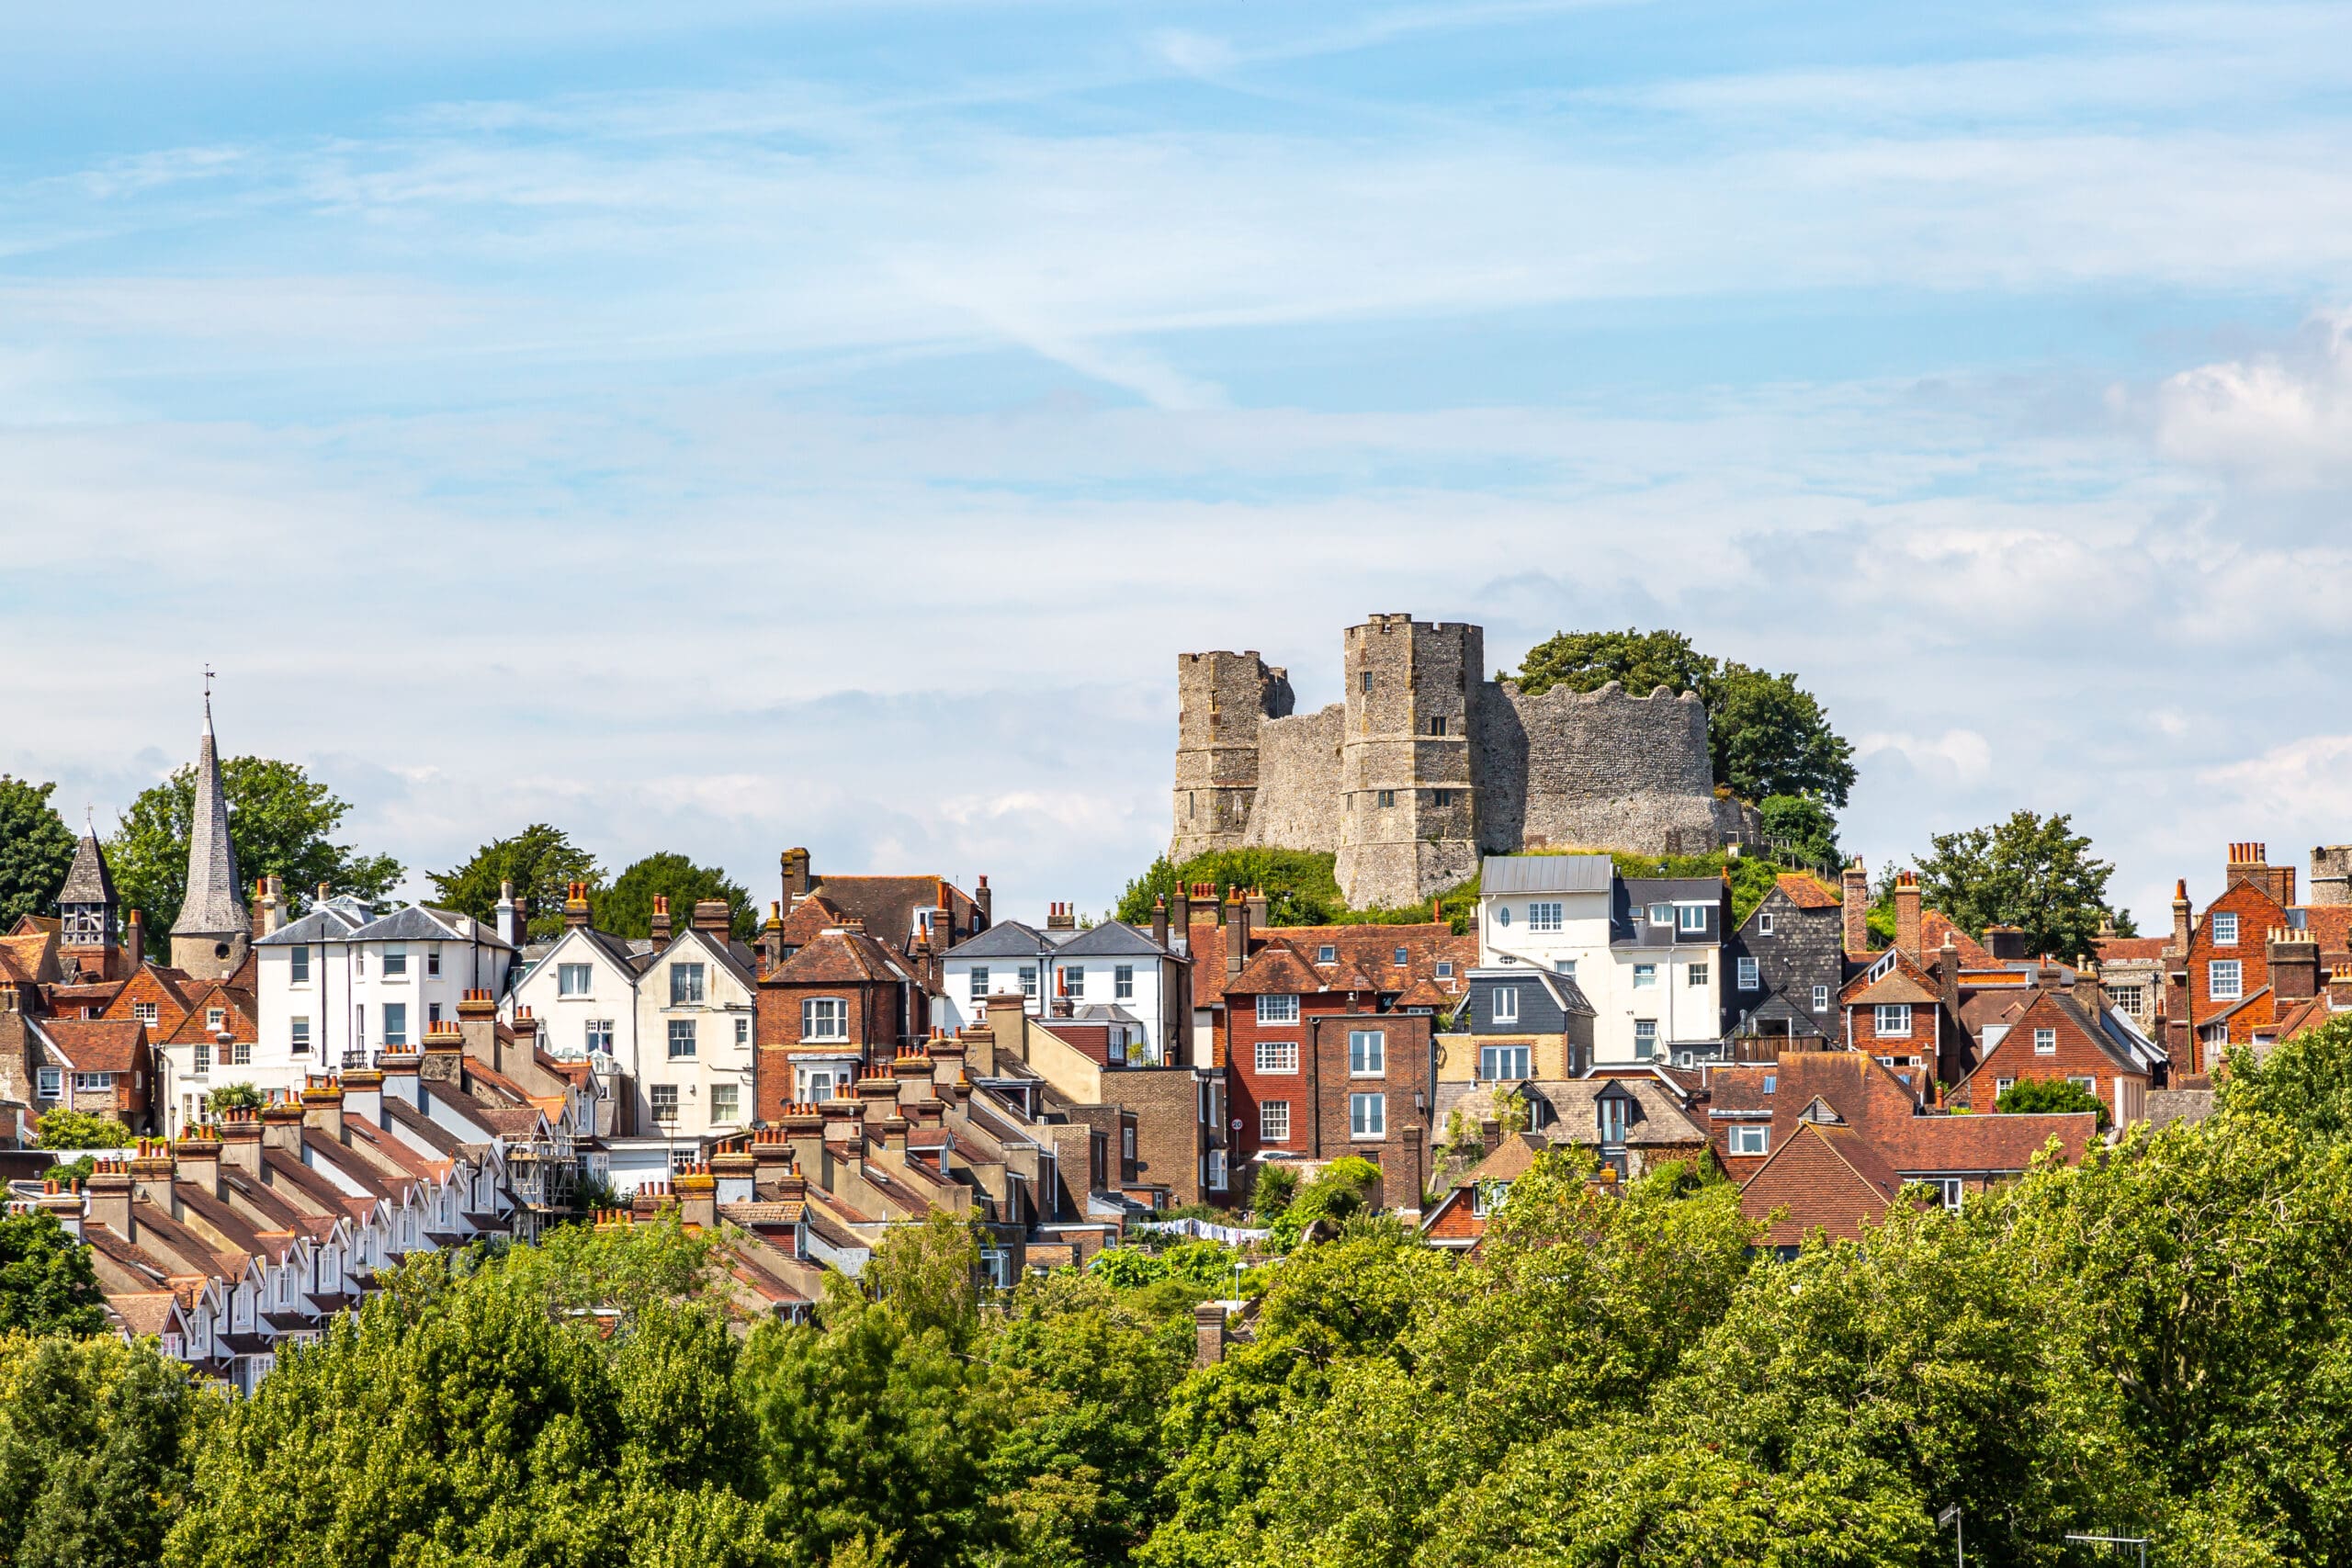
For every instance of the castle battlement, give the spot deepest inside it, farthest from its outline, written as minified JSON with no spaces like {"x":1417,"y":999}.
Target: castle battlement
{"x":1424,"y":764}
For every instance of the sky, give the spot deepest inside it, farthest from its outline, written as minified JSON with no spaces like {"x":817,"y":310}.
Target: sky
{"x":719,"y":428}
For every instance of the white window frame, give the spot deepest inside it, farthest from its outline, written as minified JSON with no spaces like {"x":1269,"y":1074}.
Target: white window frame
{"x":1367,"y":1053}
{"x":688,"y":984}
{"x":1506,"y":1064}
{"x":1029,"y":981}
{"x":214,"y":1020}
{"x":1122,"y":982}
{"x":1278,"y":1008}
{"x":1751,"y":975}
{"x":2215,"y":969}
{"x":1502,"y":1006}
{"x":1751,"y":1138}
{"x":682,"y":1032}
{"x":297,"y":964}
{"x":565,"y":974}
{"x":1695,"y":974}
{"x":395,"y":1035}
{"x":298,"y":1036}
{"x":1661,"y":914}
{"x":726,"y":1102}
{"x":1891,"y":1020}
{"x":1764,"y":923}
{"x":742,"y":1029}
{"x":1273,"y":1121}
{"x":1645,"y":976}
{"x":50,"y":1083}
{"x":2088,"y":1081}
{"x":1074,"y":981}
{"x":2045,"y":1041}
{"x":1645,"y":1039}
{"x":2225,"y":928}
{"x":979,"y":988}
{"x":145,"y":1012}
{"x":824,"y":1018}
{"x":1821,"y":999}
{"x":1546,"y":918}
{"x":1275,"y":1057}
{"x":661,"y":1098}
{"x":1367,"y":1116}
{"x":599,"y":1029}
{"x":1691,"y":919}
{"x":1326,"y":953}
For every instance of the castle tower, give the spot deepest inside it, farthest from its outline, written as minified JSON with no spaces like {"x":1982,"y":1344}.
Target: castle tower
{"x":88,"y":935}
{"x":2331,"y":874}
{"x":1408,"y":807}
{"x":209,"y":939}
{"x":1221,"y":698}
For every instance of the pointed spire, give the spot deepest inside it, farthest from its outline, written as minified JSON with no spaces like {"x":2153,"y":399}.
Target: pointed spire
{"x":88,"y":881}
{"x":214,"y":902}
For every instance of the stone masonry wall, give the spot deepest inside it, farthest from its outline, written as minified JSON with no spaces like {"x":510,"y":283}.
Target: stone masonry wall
{"x":1299,"y":796}
{"x":1602,"y":769}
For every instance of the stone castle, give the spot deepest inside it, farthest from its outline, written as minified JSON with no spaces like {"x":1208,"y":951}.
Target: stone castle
{"x":1424,"y":765}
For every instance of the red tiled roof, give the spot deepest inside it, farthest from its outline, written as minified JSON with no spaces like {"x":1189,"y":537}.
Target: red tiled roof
{"x":1826,"y":1178}
{"x":1371,"y":949}
{"x":836,"y":958}
{"x":1278,"y":969}
{"x":1806,"y":892}
{"x":99,"y":1045}
{"x":1934,"y":927}
{"x":2113,"y":949}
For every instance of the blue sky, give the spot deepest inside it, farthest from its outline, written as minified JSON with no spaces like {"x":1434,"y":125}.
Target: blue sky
{"x":728,"y":427}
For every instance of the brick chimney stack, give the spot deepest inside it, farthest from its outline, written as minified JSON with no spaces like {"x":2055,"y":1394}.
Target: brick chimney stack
{"x":661,"y":921}
{"x":1855,"y":885}
{"x":713,"y":916}
{"x":795,"y":876}
{"x":1159,"y":922}
{"x":1906,"y":914}
{"x":575,"y":905}
{"x":1237,"y":933}
{"x":1061,"y":918}
{"x":985,"y":900}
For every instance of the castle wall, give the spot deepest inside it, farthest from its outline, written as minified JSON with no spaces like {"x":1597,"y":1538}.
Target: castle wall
{"x":1467,"y":766}
{"x":1595,"y":769}
{"x":1300,"y":801}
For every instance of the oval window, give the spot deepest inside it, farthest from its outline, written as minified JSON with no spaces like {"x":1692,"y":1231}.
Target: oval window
{"x":1502,"y":914}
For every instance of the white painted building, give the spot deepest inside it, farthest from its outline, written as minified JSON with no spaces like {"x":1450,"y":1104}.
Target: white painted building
{"x":582,"y":990}
{"x":1646,"y":952}
{"x":696,"y":1014}
{"x":1111,"y":974}
{"x":341,"y":983}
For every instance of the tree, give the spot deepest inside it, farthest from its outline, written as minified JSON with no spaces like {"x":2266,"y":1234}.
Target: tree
{"x":2049,"y":1097}
{"x":282,"y":822}
{"x":36,"y":850}
{"x":46,"y":1282}
{"x":233,"y":1097}
{"x":2031,"y":872}
{"x":628,"y":909}
{"x":65,"y":1128}
{"x":1766,"y":734}
{"x":96,"y":1438}
{"x":540,"y":861}
{"x":1805,"y":826}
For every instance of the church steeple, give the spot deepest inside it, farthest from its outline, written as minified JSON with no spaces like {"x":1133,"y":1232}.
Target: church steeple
{"x":209,"y":938}
{"x":85,"y":907}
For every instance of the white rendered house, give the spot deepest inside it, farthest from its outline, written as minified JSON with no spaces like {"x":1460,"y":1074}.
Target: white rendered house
{"x":341,"y":985}
{"x":696,"y":1011}
{"x":1110,"y":974}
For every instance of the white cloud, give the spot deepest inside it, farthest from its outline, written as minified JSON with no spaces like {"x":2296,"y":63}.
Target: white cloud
{"x":2276,"y":419}
{"x":1964,"y":754}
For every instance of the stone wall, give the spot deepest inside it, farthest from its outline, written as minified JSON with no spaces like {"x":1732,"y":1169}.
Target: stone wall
{"x":1299,"y":794}
{"x":1564,"y":769}
{"x":1595,"y":769}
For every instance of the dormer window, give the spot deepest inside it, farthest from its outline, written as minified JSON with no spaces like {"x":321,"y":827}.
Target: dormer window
{"x":1326,"y":953}
{"x":1661,"y":914}
{"x":1615,"y":1114}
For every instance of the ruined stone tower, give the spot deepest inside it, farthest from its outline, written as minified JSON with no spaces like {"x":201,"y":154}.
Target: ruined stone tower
{"x":1424,"y":765}
{"x":1409,"y":810}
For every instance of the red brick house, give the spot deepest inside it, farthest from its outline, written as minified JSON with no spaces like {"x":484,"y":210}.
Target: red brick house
{"x":91,"y":1064}
{"x":1315,"y":1070}
{"x":156,"y":997}
{"x":2247,"y":960}
{"x":1754,"y":1108}
{"x":2070,"y":1034}
{"x":1457,"y":1221}
{"x":842,"y":1003}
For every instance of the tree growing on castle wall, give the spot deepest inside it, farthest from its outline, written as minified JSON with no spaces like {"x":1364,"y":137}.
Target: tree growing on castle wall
{"x":36,"y":850}
{"x":281,"y":819}
{"x":1767,"y":734}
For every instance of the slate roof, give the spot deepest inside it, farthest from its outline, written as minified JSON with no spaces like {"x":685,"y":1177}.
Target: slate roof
{"x":88,"y":882}
{"x":1111,"y":939}
{"x":1006,"y":939}
{"x":325,"y":923}
{"x":420,"y":923}
{"x":214,"y":903}
{"x":1545,"y":873}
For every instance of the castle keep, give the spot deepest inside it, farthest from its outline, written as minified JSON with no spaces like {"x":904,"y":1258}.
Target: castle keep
{"x":1423,"y":766}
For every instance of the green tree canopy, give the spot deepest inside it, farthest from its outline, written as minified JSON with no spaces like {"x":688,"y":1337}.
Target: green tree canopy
{"x":541,"y":860}
{"x":2028,"y":1097}
{"x":628,"y":909}
{"x":46,"y":1282}
{"x":1804,"y":825}
{"x":282,"y":821}
{"x":36,"y":850}
{"x":1767,"y":735}
{"x":2029,"y":871}
{"x":96,"y":1438}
